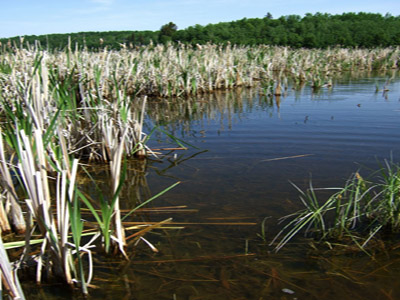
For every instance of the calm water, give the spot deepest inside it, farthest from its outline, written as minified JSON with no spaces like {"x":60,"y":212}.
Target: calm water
{"x":250,"y":147}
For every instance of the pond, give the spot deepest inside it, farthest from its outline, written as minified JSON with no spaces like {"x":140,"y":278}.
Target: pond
{"x":250,"y":148}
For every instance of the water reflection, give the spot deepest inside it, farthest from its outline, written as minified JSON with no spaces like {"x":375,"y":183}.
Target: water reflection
{"x":255,"y":143}
{"x":250,"y":146}
{"x":184,"y":117}
{"x":224,"y":107}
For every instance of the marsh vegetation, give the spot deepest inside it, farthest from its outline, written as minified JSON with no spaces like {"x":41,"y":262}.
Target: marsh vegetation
{"x":63,"y":112}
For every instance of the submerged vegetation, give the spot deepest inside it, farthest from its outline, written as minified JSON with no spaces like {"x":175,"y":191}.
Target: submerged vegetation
{"x":62,"y":109}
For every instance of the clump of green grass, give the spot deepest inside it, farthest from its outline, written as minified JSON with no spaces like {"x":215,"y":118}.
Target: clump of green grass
{"x":357,"y":212}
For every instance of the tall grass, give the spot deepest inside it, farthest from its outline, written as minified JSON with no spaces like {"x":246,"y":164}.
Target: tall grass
{"x":10,"y":196}
{"x":52,"y":116}
{"x":60,"y":108}
{"x":54,"y":208}
{"x":96,"y":94}
{"x":357,"y":212}
{"x":9,"y":276}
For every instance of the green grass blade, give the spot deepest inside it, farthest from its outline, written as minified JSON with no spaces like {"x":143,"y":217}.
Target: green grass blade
{"x":151,"y":199}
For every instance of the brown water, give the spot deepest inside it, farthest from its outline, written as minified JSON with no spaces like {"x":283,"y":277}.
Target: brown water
{"x":250,"y":147}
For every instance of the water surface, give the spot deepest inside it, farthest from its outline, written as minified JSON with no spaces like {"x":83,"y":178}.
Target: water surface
{"x":250,"y":147}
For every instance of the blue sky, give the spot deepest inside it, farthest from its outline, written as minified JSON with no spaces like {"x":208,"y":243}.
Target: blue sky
{"x":27,"y":17}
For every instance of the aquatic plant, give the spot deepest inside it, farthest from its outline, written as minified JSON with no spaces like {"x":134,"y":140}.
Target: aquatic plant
{"x":182,"y":70}
{"x":54,"y":210}
{"x":9,"y":276}
{"x":73,"y":105}
{"x":48,"y":124}
{"x":10,"y":198}
{"x":95,"y":95}
{"x":385,"y":206}
{"x":358,"y":212}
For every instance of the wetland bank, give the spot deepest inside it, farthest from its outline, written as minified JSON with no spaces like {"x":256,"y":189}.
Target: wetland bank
{"x":245,"y":141}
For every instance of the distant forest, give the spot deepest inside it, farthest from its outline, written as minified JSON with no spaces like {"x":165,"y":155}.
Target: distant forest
{"x":311,"y":31}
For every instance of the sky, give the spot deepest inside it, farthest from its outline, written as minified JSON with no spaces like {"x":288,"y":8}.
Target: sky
{"x":28,"y":17}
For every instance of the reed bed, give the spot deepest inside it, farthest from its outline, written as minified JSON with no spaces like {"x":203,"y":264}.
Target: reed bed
{"x":96,"y":96}
{"x":40,"y":175}
{"x":60,"y":108}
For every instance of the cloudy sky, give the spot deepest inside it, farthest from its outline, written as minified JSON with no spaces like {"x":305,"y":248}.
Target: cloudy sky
{"x":27,"y":17}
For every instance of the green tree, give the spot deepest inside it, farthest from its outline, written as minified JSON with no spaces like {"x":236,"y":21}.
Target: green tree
{"x":167,"y":32}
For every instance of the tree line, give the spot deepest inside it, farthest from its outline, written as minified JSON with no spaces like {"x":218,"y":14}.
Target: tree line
{"x":318,"y":30}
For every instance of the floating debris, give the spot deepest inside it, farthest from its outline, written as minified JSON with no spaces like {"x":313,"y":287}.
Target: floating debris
{"x":288,"y":291}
